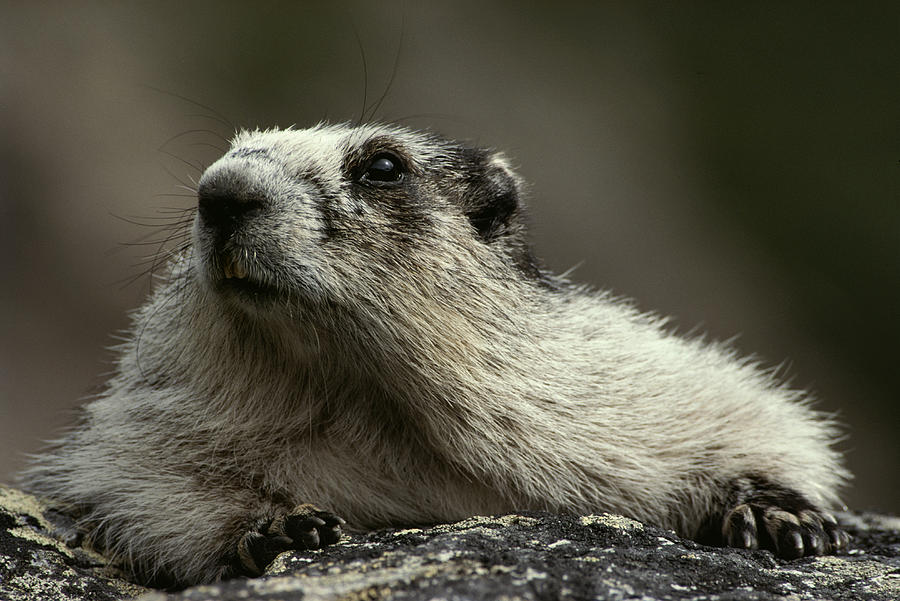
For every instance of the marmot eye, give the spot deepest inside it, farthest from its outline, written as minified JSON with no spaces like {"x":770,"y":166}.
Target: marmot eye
{"x":384,"y":167}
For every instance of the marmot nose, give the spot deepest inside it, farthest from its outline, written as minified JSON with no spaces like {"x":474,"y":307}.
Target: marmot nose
{"x":224,"y":209}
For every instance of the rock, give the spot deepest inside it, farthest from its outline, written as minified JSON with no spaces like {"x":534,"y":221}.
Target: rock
{"x":532,"y":556}
{"x":34,"y":565}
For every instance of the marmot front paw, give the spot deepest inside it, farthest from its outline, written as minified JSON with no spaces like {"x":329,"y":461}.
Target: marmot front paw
{"x":765,"y":515}
{"x":305,"y":527}
{"x":788,"y":534}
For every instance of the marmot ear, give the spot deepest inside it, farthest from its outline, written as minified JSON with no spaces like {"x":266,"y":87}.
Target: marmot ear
{"x":494,"y":197}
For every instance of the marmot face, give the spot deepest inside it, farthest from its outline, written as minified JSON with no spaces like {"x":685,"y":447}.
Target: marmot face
{"x":346,"y":216}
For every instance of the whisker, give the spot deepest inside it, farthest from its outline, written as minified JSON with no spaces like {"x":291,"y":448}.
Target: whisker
{"x":377,"y":104}
{"x":212,"y":113}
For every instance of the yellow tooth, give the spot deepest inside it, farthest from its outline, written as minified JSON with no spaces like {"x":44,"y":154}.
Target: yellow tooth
{"x":239,"y":270}
{"x":226,"y":268}
{"x":233,"y":267}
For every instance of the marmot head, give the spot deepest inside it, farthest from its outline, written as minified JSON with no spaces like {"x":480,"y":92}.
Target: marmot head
{"x":352,"y":216}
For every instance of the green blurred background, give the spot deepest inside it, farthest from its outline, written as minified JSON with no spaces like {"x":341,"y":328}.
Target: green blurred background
{"x":735,"y":167}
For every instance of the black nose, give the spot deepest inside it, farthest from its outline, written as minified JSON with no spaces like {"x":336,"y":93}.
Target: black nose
{"x":224,"y":209}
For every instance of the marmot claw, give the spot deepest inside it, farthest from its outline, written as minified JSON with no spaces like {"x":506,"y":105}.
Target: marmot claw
{"x":788,"y":534}
{"x":305,"y":527}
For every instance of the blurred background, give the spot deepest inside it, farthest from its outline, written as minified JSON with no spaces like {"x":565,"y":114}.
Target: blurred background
{"x":737,"y":168}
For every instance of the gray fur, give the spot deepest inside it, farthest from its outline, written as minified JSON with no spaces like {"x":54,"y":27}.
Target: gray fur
{"x":404,"y":372}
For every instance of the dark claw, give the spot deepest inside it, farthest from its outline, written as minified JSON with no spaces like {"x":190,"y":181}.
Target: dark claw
{"x":813,"y":532}
{"x":330,"y":532}
{"x":312,"y":528}
{"x":304,"y":528}
{"x":739,"y":528}
{"x":783,"y":529}
{"x":844,"y":542}
{"x":813,"y":543}
{"x":790,"y":544}
{"x":256,"y":551}
{"x":838,"y":538}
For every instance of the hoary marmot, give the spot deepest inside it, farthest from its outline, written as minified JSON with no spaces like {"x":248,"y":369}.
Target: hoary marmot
{"x":359,"y":327}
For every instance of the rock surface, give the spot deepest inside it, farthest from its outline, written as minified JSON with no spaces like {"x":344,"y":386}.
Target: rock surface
{"x":34,"y":566}
{"x":533,"y":556}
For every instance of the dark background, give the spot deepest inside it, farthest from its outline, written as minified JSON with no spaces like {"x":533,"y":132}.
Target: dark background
{"x":737,"y":168}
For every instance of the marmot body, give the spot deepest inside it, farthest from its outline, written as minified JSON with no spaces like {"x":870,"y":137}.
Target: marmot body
{"x":359,"y":324}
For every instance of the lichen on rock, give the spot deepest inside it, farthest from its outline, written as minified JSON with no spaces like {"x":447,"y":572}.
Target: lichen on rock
{"x":36,"y":565}
{"x":533,"y":556}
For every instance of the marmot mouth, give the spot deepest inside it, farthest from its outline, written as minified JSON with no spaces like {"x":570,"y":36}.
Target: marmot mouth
{"x":232,"y":267}
{"x":237,"y":272}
